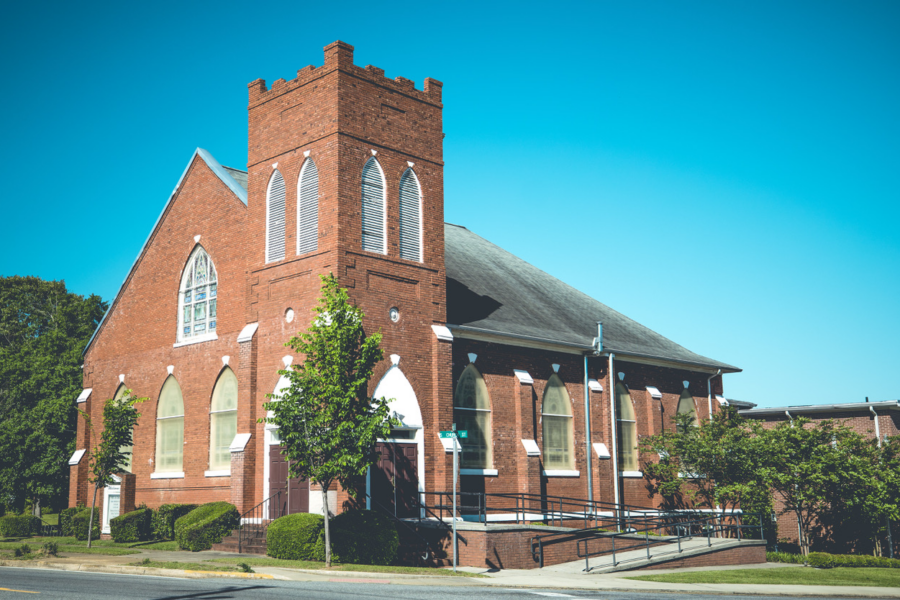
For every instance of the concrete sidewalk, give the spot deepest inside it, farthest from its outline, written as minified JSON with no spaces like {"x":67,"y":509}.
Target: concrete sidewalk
{"x":509,"y":578}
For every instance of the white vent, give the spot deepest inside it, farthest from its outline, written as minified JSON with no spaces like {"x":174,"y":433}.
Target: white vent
{"x":373,"y":201}
{"x":308,"y":208}
{"x":410,"y":217}
{"x":275,"y":218}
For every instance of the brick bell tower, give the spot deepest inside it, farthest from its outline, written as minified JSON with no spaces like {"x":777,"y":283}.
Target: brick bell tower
{"x":342,"y":116}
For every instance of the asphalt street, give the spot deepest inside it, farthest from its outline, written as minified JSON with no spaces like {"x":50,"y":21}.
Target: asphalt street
{"x":47,"y":584}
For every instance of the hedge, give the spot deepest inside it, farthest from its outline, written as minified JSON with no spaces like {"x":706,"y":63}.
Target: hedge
{"x":823,"y":560}
{"x":80,"y":525}
{"x":20,"y":526}
{"x":65,"y":519}
{"x":300,"y":536}
{"x":785,"y":557}
{"x":164,"y":517}
{"x":206,"y":525}
{"x":131,"y":527}
{"x":363,"y":537}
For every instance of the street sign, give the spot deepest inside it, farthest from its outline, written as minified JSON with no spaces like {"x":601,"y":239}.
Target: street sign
{"x":464,"y":434}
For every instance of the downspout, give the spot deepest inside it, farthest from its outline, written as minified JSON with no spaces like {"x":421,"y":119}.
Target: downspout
{"x":877,"y":428}
{"x":788,"y":413}
{"x":709,"y":391}
{"x":598,"y":347}
{"x":612,"y":418}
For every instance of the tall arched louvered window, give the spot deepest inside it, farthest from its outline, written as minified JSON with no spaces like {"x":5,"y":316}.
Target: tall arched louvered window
{"x":557,"y":427}
{"x":472,"y":412}
{"x":197,"y":298}
{"x":686,"y":406}
{"x":223,"y":421}
{"x":410,"y":217}
{"x":120,"y":393}
{"x":374,"y":233}
{"x":275,"y":218}
{"x":170,"y":428}
{"x":626,"y":427}
{"x":308,"y":208}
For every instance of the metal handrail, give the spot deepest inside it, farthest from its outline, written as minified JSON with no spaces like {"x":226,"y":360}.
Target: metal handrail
{"x":261,"y":513}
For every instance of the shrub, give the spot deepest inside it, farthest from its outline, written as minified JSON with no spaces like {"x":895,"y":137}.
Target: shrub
{"x":823,"y":560}
{"x":363,"y":537}
{"x":65,"y":519}
{"x":19,"y":526}
{"x":164,"y":517}
{"x":23,"y":550}
{"x":297,"y":537}
{"x":50,"y":549}
{"x":80,"y":525}
{"x":206,"y":525}
{"x":131,"y":527}
{"x":785,"y":557}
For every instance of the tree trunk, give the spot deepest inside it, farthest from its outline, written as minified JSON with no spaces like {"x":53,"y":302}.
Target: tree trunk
{"x":327,"y":528}
{"x":91,"y":520}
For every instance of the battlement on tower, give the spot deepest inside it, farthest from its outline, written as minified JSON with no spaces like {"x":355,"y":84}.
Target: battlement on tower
{"x":339,"y":56}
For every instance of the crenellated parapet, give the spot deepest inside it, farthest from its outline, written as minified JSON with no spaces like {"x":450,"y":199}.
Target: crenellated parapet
{"x":339,"y":56}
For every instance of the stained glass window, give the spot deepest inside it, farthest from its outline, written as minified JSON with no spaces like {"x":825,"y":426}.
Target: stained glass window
{"x":170,"y":427}
{"x":686,"y":405}
{"x":557,"y":427}
{"x":199,"y":286}
{"x":472,"y":412}
{"x":120,"y":393}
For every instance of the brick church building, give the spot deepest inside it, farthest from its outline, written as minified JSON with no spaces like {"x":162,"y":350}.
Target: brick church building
{"x":345,"y":175}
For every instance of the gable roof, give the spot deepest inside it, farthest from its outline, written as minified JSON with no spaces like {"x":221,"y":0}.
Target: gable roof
{"x":235,"y":180}
{"x":491,"y":291}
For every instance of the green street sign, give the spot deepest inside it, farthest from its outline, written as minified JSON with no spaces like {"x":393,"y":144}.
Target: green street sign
{"x":459,"y":434}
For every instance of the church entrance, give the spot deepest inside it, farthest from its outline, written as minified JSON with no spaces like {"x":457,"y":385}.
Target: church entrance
{"x":394,"y":481}
{"x":294,"y":498}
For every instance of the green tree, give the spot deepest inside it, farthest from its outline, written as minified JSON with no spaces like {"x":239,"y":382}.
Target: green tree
{"x":112,"y":454}
{"x":808,"y":467}
{"x":43,"y":332}
{"x":327,"y":422}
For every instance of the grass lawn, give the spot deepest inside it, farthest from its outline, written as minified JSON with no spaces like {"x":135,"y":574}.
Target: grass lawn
{"x":307,"y":564}
{"x":71,"y":545}
{"x":787,"y":576}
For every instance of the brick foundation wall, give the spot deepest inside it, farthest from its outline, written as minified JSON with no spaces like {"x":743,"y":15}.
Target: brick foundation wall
{"x":742,"y":555}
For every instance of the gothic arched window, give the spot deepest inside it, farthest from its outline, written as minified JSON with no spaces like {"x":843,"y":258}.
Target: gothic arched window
{"x":686,"y":406}
{"x":120,"y":393}
{"x":170,"y":428}
{"x":275,"y":218}
{"x":410,"y":216}
{"x":626,"y":429}
{"x":556,"y":421}
{"x":197,"y":298}
{"x":472,"y":412}
{"x":223,"y":420}
{"x":308,"y":208}
{"x":374,"y":232}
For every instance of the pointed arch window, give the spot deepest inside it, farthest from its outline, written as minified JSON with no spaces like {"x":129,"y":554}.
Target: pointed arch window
{"x":197,"y":298}
{"x":308,"y":208}
{"x":557,"y":427}
{"x":275,"y":218}
{"x":170,"y":428}
{"x":223,"y":421}
{"x":120,"y":393}
{"x":686,"y":406}
{"x":626,"y":426}
{"x":472,"y":412}
{"x":374,"y":233}
{"x":410,"y":216}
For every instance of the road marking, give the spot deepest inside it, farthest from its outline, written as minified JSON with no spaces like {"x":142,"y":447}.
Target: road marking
{"x":20,"y":591}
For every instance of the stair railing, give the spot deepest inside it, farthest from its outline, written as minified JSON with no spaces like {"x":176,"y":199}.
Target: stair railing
{"x":255,"y":522}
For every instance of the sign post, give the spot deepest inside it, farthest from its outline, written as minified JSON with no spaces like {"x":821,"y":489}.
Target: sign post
{"x":455,"y":436}
{"x":455,"y":476}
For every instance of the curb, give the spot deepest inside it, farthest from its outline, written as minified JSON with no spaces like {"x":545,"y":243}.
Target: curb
{"x":129,"y":570}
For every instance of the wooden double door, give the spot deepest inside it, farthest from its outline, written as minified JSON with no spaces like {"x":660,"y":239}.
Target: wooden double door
{"x":394,"y":479}
{"x":294,"y":494}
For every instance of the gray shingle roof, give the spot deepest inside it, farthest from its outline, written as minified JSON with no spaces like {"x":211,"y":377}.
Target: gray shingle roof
{"x":492,"y":290}
{"x":237,"y":175}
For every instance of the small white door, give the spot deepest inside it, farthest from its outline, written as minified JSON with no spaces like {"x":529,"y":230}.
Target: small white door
{"x":110,"y":506}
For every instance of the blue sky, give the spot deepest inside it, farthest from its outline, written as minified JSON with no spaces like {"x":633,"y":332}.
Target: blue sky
{"x":724,"y":173}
